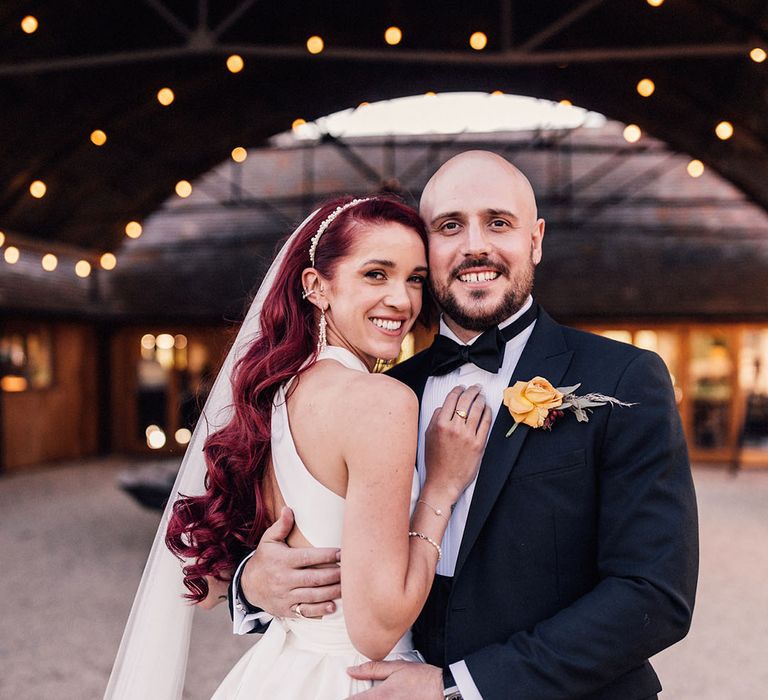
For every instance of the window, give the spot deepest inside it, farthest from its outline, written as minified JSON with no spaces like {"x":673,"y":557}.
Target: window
{"x":26,"y":359}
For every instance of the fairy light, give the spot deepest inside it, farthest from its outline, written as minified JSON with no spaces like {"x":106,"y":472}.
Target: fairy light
{"x":82,"y":268}
{"x":315,"y":44}
{"x":632,"y":133}
{"x":724,"y":130}
{"x":646,"y":87}
{"x":156,"y":438}
{"x":430,"y":93}
{"x":165,"y":341}
{"x":758,"y":55}
{"x":98,"y":137}
{"x":565,"y":103}
{"x":393,"y":36}
{"x":49,"y":262}
{"x":2,"y":239}
{"x":183,"y":188}
{"x":165,"y":96}
{"x":478,"y":41}
{"x":38,"y":189}
{"x":148,"y":341}
{"x":183,"y":436}
{"x":235,"y":63}
{"x":11,"y":255}
{"x":695,"y":168}
{"x":497,"y":93}
{"x":108,"y":261}
{"x":655,"y":3}
{"x":298,"y":123}
{"x":29,"y":24}
{"x":239,"y":154}
{"x":133,"y":229}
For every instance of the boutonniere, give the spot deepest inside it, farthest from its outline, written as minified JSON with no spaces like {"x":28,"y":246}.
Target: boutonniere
{"x":538,"y":404}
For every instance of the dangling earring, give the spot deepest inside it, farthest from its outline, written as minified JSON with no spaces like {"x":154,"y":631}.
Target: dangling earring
{"x":322,"y":340}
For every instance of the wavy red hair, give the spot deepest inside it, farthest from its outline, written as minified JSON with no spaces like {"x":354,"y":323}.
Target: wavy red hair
{"x":213,"y":532}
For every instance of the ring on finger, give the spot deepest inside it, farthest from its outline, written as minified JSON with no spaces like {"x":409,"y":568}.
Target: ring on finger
{"x":297,"y":610}
{"x":461,"y":414}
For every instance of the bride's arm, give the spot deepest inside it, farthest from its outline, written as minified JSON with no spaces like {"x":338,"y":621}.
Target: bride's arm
{"x":385,"y":574}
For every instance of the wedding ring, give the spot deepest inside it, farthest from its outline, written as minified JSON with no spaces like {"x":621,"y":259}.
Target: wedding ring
{"x":461,"y":414}
{"x":297,"y":610}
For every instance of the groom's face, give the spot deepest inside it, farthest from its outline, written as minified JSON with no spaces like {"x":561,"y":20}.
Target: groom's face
{"x":484,"y":239}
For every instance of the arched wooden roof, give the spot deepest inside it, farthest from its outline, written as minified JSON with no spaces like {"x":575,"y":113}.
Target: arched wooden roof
{"x":99,"y":66}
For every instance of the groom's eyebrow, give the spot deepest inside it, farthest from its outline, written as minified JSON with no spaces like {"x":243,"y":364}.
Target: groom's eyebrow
{"x":447,"y":215}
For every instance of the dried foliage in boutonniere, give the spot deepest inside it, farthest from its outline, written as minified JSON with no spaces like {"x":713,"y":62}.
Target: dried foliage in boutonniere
{"x":538,"y":404}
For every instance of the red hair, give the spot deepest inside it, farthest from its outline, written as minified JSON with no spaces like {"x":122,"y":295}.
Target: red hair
{"x":213,"y":532}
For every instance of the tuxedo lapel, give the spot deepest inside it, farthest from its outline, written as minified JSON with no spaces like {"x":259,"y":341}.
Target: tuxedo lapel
{"x":546,"y":354}
{"x":414,"y":372}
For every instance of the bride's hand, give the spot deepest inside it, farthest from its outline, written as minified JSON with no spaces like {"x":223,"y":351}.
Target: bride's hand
{"x":455,"y":441}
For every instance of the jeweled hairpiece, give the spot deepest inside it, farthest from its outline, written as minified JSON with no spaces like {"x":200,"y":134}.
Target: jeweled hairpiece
{"x":328,"y":221}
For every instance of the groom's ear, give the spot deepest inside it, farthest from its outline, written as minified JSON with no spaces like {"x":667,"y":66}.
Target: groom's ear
{"x":314,"y":288}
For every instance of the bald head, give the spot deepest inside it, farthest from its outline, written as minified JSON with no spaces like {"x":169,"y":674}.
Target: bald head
{"x":475,"y":176}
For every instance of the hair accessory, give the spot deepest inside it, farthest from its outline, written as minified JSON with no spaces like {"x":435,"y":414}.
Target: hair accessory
{"x":328,"y":221}
{"x":422,"y":536}
{"x":322,"y":339}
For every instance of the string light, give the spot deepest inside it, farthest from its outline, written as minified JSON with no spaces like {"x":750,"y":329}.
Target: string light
{"x":82,"y":268}
{"x":164,"y":341}
{"x":180,"y":341}
{"x":165,"y":96}
{"x":183,"y":188}
{"x":183,"y":436}
{"x":98,"y":137}
{"x":430,"y":93}
{"x":758,"y":55}
{"x":724,"y":130}
{"x":49,"y":262}
{"x":632,"y":133}
{"x":655,"y":3}
{"x":2,"y":239}
{"x":478,"y":41}
{"x":29,"y":24}
{"x":108,"y":261}
{"x":148,"y":341}
{"x":565,"y":103}
{"x":235,"y":63}
{"x":315,"y":44}
{"x":393,"y":36}
{"x":239,"y":154}
{"x":298,"y":123}
{"x":38,"y":189}
{"x":11,"y":255}
{"x":133,"y":229}
{"x":646,"y":87}
{"x":695,"y":168}
{"x":362,"y":105}
{"x":156,"y":438}
{"x":497,"y":93}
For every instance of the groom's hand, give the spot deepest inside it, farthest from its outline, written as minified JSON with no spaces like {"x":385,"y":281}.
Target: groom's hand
{"x":403,"y":680}
{"x":278,"y":577}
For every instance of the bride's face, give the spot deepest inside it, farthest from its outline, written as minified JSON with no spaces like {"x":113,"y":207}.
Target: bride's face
{"x":376,"y":291}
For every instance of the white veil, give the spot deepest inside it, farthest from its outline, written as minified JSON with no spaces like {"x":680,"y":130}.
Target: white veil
{"x":152,"y":659}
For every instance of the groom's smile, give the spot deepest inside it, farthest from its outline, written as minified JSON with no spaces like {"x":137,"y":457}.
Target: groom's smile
{"x":485,"y":240}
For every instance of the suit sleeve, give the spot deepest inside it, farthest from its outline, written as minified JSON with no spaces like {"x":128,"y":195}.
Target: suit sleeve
{"x":647,"y":559}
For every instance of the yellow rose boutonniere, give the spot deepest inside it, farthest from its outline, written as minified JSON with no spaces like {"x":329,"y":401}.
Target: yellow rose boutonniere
{"x":538,"y":404}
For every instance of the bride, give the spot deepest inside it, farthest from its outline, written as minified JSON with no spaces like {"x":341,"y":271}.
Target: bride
{"x":306,"y":424}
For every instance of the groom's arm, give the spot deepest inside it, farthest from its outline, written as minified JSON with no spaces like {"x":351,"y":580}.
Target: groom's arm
{"x":274,"y":578}
{"x":647,"y":559}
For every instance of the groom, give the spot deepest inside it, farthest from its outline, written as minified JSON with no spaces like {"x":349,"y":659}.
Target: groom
{"x":573,"y":556}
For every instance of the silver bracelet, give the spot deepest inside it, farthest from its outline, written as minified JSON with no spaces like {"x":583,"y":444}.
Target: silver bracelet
{"x":422,"y":536}
{"x":437,"y":511}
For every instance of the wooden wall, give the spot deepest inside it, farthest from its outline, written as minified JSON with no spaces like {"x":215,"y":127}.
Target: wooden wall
{"x":60,"y":422}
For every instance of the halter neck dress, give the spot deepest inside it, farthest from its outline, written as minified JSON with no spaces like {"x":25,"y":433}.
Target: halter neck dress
{"x":298,"y":658}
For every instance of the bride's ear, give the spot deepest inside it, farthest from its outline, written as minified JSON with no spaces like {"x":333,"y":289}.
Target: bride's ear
{"x":314,"y":288}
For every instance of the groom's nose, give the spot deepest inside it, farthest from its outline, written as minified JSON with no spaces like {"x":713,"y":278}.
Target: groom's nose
{"x":476,"y":241}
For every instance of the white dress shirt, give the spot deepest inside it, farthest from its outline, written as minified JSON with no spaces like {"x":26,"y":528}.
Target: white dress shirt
{"x":435,"y":391}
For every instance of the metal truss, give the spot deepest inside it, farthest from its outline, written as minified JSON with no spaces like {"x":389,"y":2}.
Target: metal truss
{"x":203,"y":40}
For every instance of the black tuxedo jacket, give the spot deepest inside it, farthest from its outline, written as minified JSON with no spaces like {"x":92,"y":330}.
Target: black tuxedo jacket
{"x":580,"y":554}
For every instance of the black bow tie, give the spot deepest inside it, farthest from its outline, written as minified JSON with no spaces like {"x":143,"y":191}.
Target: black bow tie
{"x":487,"y":352}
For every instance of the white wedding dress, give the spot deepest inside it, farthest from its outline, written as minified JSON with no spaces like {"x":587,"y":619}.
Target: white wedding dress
{"x":297,"y":658}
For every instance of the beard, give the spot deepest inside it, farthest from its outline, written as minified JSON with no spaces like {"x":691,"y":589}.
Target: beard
{"x":474,"y":316}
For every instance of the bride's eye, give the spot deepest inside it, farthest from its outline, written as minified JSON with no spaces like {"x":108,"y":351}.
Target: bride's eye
{"x":375,"y":275}
{"x":418,"y":279}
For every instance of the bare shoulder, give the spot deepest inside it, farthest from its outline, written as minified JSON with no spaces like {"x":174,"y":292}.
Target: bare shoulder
{"x":383,"y":397}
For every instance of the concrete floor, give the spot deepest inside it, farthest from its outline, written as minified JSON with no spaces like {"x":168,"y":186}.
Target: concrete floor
{"x":73,"y":546}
